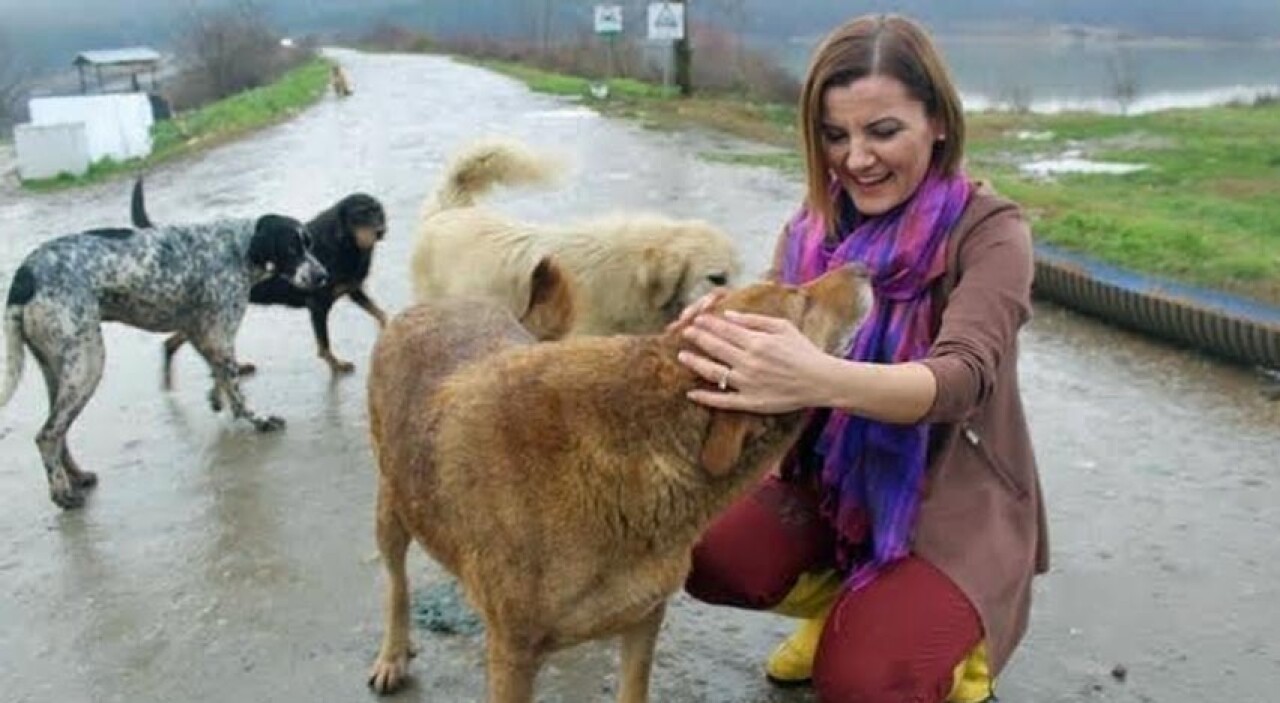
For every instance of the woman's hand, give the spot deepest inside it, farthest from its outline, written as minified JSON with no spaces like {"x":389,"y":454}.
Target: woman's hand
{"x":771,"y":366}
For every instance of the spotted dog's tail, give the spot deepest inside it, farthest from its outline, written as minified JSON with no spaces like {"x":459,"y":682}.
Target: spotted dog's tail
{"x":20,"y":292}
{"x":488,"y":163}
{"x":138,"y":208}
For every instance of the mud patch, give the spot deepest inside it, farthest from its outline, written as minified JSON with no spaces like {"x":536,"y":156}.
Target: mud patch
{"x":441,"y":608}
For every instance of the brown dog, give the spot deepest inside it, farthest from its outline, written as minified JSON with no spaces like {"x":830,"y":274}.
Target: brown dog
{"x":563,"y":483}
{"x":338,"y":79}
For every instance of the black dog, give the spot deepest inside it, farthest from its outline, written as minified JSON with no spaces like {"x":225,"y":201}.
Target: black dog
{"x":343,"y":239}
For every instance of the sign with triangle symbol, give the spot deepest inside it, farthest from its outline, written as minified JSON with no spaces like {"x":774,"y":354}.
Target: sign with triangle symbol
{"x":666,"y":21}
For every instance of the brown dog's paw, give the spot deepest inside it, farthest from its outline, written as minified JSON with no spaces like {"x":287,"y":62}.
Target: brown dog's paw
{"x":341,"y":367}
{"x":388,"y":674}
{"x":336,"y":365}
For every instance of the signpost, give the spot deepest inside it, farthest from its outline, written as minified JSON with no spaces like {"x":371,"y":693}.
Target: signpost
{"x":608,"y":25}
{"x":666,"y":21}
{"x":666,"y":24}
{"x":609,"y":20}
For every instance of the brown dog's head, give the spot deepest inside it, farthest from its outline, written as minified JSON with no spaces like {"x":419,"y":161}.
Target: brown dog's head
{"x":363,"y":218}
{"x":550,"y":313}
{"x":827,"y":311}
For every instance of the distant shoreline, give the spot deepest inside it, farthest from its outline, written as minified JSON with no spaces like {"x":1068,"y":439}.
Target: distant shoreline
{"x":1154,"y":101}
{"x":1071,"y":35}
{"x":1051,"y":70}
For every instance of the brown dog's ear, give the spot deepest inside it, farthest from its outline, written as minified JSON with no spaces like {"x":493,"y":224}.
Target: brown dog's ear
{"x":550,"y":312}
{"x":727,"y":434}
{"x":546,"y":278}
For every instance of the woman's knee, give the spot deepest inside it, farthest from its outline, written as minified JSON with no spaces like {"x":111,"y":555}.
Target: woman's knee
{"x":724,"y":575}
{"x":751,"y":556}
{"x":898,"y":639}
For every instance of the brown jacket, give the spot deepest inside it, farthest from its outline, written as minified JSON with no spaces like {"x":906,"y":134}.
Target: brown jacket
{"x":982,"y":518}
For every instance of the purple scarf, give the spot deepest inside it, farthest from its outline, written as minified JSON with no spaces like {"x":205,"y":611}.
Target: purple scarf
{"x":873,"y":472}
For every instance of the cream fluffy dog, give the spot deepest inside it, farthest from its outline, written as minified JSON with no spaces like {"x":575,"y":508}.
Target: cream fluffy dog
{"x":632,"y":273}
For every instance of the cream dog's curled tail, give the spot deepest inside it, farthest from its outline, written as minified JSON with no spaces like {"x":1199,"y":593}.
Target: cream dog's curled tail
{"x":486,"y":164}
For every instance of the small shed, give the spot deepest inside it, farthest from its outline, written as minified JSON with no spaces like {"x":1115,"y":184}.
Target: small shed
{"x":132,"y":60}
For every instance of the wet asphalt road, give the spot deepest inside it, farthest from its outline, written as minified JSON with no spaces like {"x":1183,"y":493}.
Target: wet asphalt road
{"x":217,"y":564}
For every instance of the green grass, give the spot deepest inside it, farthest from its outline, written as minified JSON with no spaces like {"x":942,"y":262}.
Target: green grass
{"x":1207,"y":210}
{"x":786,"y":161}
{"x":213,"y":124}
{"x":552,"y":83}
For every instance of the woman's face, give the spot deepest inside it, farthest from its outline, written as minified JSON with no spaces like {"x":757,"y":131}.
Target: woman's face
{"x":878,"y":141}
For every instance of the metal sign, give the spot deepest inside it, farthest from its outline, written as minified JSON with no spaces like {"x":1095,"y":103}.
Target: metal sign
{"x":666,"y":21}
{"x":608,"y":19}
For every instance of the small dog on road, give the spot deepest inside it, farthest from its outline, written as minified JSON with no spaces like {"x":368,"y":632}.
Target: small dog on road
{"x":194,"y":279}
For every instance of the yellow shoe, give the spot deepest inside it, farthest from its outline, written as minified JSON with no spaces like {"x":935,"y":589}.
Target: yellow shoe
{"x":791,"y":663}
{"x":973,"y":682}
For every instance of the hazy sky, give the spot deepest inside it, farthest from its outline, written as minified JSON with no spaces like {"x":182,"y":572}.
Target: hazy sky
{"x":48,"y":32}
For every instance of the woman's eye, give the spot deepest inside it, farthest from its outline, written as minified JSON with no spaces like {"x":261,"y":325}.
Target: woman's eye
{"x":883,"y":132}
{"x":832,"y":137}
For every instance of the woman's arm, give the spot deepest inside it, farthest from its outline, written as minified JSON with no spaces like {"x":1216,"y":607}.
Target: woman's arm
{"x":773,"y":369}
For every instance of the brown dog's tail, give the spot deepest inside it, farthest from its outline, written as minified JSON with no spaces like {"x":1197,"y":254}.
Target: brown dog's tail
{"x":488,"y":163}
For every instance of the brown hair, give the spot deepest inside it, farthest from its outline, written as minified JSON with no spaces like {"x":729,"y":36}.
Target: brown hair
{"x":886,"y":45}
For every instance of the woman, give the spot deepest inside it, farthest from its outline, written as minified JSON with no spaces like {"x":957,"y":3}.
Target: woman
{"x":907,"y":523}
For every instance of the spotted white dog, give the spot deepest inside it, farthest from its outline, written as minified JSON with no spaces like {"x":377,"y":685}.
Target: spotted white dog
{"x":193,"y":279}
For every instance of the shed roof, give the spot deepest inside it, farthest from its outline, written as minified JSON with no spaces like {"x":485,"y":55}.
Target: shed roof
{"x":109,"y":57}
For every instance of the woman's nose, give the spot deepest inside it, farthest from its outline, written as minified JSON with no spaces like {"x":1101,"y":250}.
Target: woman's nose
{"x":859,"y":157}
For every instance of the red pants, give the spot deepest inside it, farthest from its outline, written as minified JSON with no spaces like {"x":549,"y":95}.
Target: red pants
{"x":896,"y":640}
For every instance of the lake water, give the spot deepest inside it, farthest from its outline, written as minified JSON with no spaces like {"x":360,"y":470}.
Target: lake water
{"x":1053,"y":75}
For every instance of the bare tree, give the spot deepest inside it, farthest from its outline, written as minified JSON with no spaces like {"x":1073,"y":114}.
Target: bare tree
{"x":231,"y":49}
{"x":733,"y":14}
{"x":1122,"y":72}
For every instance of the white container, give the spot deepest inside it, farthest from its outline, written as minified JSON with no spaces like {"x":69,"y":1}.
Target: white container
{"x":118,"y":126}
{"x":49,"y":150}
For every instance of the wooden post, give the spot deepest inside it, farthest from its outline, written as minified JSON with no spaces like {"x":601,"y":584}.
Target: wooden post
{"x":684,"y":56}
